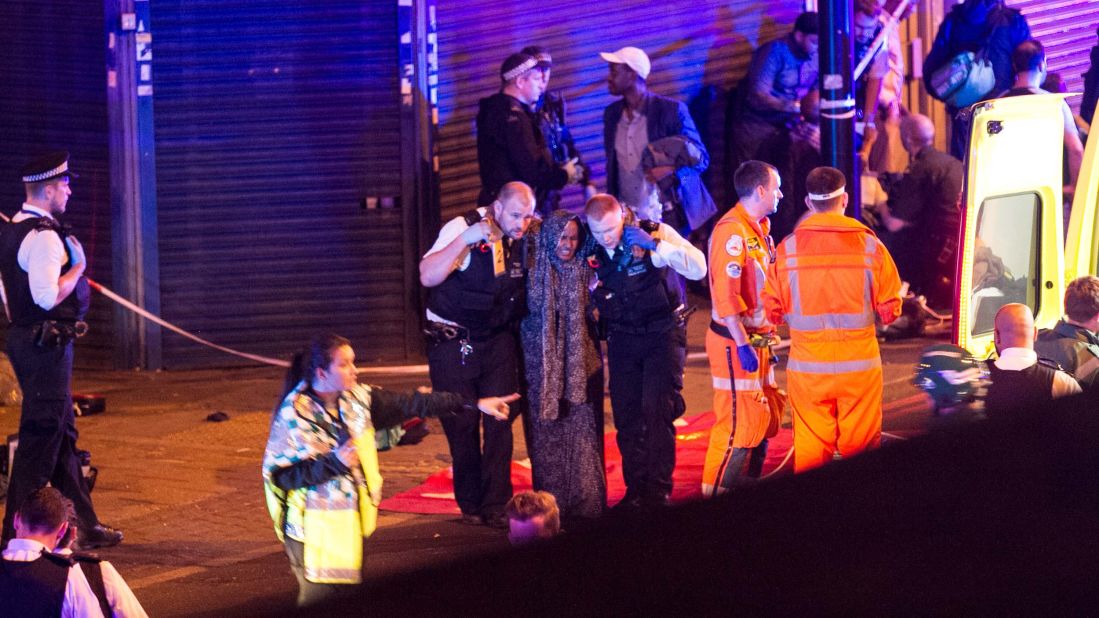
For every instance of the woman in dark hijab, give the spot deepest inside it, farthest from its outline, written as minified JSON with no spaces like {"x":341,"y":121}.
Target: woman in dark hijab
{"x":564,"y":370}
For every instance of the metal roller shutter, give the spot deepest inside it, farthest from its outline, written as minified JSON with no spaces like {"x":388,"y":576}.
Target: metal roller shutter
{"x":699,"y":51}
{"x":277,"y":124}
{"x":1067,"y":30}
{"x":53,"y":63}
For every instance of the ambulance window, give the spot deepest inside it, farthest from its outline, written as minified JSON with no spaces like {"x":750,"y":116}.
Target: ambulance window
{"x":1005,"y":258}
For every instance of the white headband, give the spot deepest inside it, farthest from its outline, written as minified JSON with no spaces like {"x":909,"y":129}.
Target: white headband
{"x":828,"y":196}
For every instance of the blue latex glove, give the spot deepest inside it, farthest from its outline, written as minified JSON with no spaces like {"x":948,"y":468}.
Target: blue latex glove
{"x":747,"y":356}
{"x":635,"y":236}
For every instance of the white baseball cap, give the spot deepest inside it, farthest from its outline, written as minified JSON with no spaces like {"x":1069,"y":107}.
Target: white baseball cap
{"x":631,"y":57}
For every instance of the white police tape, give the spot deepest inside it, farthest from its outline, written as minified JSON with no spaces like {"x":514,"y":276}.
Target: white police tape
{"x":392,"y":369}
{"x":397,"y":369}
{"x":179,"y":331}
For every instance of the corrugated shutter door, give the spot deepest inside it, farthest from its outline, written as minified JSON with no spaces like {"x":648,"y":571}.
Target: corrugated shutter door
{"x":275,"y":120}
{"x":1066,"y":28}
{"x":53,"y":63}
{"x":699,"y":50}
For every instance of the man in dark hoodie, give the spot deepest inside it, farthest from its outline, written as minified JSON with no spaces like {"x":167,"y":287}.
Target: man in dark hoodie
{"x":510,"y":143}
{"x":979,"y":26}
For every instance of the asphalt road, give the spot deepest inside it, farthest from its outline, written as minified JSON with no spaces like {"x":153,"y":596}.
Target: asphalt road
{"x":187,"y":492}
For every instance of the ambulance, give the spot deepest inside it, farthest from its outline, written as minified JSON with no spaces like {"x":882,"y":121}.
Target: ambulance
{"x":1013,"y":245}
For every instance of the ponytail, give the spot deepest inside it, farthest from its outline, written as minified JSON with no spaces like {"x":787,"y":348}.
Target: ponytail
{"x":304,"y":364}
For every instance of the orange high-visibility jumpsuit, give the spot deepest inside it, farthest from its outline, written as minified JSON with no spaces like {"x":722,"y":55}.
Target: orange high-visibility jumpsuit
{"x":829,"y":279}
{"x":740,"y":250}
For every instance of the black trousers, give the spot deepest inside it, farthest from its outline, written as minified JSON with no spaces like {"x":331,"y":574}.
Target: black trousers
{"x":482,"y":473}
{"x":47,"y":428}
{"x":646,"y":375}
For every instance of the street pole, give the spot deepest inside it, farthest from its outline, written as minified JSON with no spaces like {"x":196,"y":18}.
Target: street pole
{"x":837,"y":95}
{"x":131,"y":139}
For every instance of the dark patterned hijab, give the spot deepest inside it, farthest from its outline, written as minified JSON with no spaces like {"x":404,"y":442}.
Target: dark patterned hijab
{"x":559,"y":352}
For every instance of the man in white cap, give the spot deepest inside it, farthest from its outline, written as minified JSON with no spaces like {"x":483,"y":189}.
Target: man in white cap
{"x":638,"y":119}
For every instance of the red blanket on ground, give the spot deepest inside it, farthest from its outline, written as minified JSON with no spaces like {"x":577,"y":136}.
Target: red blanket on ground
{"x":436,"y":494}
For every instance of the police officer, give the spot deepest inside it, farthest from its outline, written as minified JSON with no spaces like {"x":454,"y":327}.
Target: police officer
{"x":477,"y":274}
{"x":549,"y":110}
{"x":636,"y":307}
{"x":1019,"y":380}
{"x":510,"y":142}
{"x":42,"y":266}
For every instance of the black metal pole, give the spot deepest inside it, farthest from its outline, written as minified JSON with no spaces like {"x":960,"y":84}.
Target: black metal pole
{"x":837,"y":95}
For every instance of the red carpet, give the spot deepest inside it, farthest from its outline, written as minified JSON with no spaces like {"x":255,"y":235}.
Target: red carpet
{"x":436,"y":494}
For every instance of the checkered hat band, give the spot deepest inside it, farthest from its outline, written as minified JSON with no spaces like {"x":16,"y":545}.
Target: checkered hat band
{"x":527,"y":65}
{"x":60,"y":169}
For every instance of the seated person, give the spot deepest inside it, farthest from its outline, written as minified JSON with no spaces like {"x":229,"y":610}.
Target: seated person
{"x":781,"y":72}
{"x":992,"y":284}
{"x":922,"y":214}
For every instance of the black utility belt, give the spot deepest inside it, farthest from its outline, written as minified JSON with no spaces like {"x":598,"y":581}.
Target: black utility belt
{"x":55,"y":333}
{"x":440,"y":332}
{"x":756,"y":339}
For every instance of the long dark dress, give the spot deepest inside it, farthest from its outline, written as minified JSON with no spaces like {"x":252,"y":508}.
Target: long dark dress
{"x":566,"y":442}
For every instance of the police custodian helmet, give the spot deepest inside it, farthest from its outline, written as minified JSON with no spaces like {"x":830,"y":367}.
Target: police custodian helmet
{"x":950,"y":375}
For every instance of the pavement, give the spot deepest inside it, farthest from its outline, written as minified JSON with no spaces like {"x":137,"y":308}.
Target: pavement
{"x":188,"y":495}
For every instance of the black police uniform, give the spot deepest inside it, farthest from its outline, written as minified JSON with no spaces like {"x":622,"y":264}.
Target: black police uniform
{"x":479,"y":359}
{"x":34,"y":588}
{"x":39,"y":344}
{"x":1027,"y":389}
{"x":550,"y":114}
{"x":637,"y":302}
{"x":511,"y":146}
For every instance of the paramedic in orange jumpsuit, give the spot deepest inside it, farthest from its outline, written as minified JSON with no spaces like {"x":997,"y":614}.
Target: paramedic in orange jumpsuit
{"x":829,"y":280}
{"x":740,"y":335}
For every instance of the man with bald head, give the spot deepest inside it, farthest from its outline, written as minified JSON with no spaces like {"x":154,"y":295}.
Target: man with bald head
{"x":922,"y":216}
{"x":1019,"y":380}
{"x":476,"y":272}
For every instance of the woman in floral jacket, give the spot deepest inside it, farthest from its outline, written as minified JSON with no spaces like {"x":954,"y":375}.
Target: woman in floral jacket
{"x":320,"y":468}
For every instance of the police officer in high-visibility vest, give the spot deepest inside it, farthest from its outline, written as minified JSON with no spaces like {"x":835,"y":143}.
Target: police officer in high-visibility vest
{"x":477,"y":274}
{"x":831,"y":277}
{"x":637,"y":310}
{"x":739,"y":340}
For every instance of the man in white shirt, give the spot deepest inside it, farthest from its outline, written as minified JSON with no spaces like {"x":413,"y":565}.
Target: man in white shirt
{"x":47,"y":297}
{"x":636,"y":308}
{"x":476,"y":274}
{"x":33,"y":580}
{"x":1019,"y":381}
{"x":113,"y":593}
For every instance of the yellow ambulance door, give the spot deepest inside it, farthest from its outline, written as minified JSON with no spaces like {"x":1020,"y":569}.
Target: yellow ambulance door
{"x":1082,"y":240}
{"x":1011,"y":233}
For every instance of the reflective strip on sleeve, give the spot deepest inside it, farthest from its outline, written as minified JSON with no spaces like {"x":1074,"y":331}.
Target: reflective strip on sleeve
{"x":832,"y":367}
{"x":723,"y":384}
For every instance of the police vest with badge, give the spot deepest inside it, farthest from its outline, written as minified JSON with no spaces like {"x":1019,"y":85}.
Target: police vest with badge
{"x":489,"y":295}
{"x":37,"y":587}
{"x":633,"y":295}
{"x":67,"y":317}
{"x":64,"y":321}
